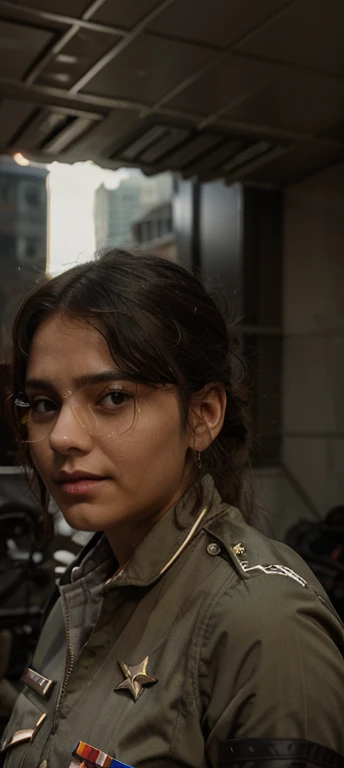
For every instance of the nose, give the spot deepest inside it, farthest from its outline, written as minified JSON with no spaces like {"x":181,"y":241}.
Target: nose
{"x":68,"y":434}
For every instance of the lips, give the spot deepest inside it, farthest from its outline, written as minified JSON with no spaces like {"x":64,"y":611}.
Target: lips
{"x":73,"y":477}
{"x":78,"y":482}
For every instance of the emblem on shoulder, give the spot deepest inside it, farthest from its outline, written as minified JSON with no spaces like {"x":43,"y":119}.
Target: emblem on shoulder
{"x":273,"y":568}
{"x":239,"y":549}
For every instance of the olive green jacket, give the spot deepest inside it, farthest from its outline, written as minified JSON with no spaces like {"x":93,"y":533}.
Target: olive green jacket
{"x":211,"y":633}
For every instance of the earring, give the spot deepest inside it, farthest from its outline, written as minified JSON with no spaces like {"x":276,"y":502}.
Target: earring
{"x":199,"y":460}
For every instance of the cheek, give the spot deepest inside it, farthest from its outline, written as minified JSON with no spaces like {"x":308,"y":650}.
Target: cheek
{"x":164,"y":445}
{"x":149,"y":446}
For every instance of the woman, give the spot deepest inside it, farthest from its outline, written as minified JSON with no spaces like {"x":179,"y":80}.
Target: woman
{"x":181,"y":636}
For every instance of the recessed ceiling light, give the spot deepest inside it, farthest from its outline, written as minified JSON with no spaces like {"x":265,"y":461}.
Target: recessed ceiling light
{"x":61,"y":77}
{"x":65,"y":58}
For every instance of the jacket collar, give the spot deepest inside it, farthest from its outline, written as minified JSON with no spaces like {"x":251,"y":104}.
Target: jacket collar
{"x":160,"y":545}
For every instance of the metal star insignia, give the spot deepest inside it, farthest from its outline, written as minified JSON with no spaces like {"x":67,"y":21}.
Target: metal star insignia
{"x":135,"y":678}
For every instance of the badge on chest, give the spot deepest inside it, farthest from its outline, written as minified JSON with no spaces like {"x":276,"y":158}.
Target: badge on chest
{"x":135,"y":678}
{"x":39,"y":683}
{"x":85,"y":756}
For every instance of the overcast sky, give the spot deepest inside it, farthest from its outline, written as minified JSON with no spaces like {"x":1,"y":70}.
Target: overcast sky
{"x":71,"y":192}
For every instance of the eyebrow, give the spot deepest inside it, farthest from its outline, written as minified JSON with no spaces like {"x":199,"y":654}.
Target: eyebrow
{"x":82,"y":381}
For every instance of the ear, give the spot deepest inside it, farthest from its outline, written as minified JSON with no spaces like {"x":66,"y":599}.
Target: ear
{"x":206,"y":416}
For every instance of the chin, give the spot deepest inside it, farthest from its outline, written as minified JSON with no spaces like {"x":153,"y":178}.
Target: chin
{"x":83,"y":519}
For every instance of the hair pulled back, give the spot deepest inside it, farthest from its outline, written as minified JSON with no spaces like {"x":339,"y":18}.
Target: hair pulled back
{"x":161,"y":325}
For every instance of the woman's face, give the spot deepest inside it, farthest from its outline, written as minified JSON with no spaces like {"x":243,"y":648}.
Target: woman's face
{"x":110,"y":451}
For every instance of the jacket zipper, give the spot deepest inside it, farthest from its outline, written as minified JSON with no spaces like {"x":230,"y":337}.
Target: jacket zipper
{"x":67,"y":671}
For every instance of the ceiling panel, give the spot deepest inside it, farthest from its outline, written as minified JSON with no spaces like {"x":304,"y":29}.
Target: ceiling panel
{"x":298,"y":102}
{"x":310,"y":33}
{"x":296,"y":164}
{"x":124,"y":13}
{"x":65,"y":7}
{"x":109,"y":133}
{"x":19,"y":48}
{"x":159,"y":146}
{"x":148,"y":68}
{"x":66,"y":137}
{"x":217,"y":157}
{"x":49,"y":130}
{"x":143,"y":143}
{"x":12,"y":114}
{"x":197,"y":147}
{"x":41,"y":125}
{"x":234,"y":77}
{"x":170,"y":139}
{"x":32,"y":18}
{"x":82,"y":51}
{"x":202,"y":88}
{"x":219,"y":22}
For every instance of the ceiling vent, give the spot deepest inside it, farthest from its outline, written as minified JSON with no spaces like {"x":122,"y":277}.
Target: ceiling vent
{"x":205,"y":154}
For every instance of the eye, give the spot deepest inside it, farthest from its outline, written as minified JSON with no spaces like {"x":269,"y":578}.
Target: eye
{"x":42,"y":405}
{"x":115,"y":398}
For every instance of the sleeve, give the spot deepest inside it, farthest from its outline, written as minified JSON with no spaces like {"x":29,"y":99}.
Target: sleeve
{"x":271,"y":678}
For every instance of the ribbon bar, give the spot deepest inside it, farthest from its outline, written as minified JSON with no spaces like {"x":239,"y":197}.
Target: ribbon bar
{"x":95,"y":758}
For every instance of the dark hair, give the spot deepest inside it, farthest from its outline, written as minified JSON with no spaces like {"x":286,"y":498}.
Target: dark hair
{"x":160,"y":325}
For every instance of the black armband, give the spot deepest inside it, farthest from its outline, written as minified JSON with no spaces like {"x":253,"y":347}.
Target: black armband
{"x":278,"y":753}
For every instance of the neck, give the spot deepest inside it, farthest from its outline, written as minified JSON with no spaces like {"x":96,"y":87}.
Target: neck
{"x":124,"y":540}
{"x":126,"y":535}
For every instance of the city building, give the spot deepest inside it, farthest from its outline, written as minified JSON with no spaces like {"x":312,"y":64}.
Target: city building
{"x":23,"y":237}
{"x":153,"y":232}
{"x":115,"y":210}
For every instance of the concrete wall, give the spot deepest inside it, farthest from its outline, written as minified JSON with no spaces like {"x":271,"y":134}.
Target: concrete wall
{"x":313,"y":324}
{"x":232,"y":235}
{"x":279,"y":501}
